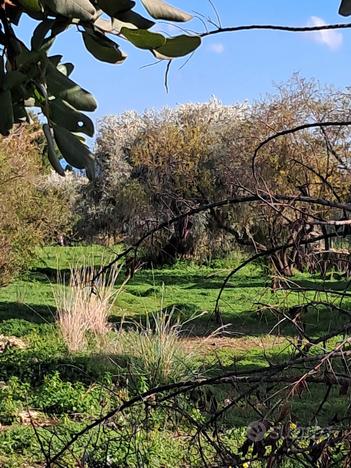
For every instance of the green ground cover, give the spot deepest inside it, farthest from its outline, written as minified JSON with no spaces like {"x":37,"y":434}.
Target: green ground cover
{"x":66,"y":390}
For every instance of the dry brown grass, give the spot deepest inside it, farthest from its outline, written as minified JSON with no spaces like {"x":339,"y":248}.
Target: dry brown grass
{"x":83,"y":309}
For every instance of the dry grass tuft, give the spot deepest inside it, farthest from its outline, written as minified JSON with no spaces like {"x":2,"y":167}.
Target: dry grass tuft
{"x":83,"y":309}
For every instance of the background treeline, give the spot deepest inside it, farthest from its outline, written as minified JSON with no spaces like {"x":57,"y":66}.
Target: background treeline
{"x":154,"y":166}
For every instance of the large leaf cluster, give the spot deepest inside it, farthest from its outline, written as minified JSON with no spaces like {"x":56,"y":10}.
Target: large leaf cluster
{"x":345,"y":8}
{"x":31,"y":77}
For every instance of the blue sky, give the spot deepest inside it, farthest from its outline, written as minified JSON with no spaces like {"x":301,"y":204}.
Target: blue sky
{"x":232,"y":67}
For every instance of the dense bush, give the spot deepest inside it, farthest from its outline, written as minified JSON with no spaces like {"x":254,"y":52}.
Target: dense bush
{"x":170,"y":161}
{"x":166,"y":163}
{"x":32,"y":208}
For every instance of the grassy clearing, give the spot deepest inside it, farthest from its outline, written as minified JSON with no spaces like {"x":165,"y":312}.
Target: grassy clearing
{"x":64,"y":390}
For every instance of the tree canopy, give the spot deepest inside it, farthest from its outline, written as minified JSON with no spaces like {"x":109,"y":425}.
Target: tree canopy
{"x":178,"y":159}
{"x":31,"y":77}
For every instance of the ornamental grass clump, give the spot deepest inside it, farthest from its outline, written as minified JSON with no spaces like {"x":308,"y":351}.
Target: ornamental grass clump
{"x":83,"y":306}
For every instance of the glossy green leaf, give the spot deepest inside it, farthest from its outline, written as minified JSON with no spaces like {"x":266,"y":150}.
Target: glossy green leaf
{"x":178,"y":47}
{"x":63,"y":87}
{"x":55,"y":59}
{"x":6,"y":112}
{"x":102,"y":48}
{"x":52,"y":156}
{"x":31,"y":5}
{"x":105,"y":26}
{"x":60,"y":25}
{"x":26,"y":59}
{"x":66,"y":116}
{"x":54,"y":26}
{"x":161,"y":10}
{"x":40,"y":33}
{"x":131,"y":21}
{"x":65,"y":68}
{"x":13,"y":79}
{"x":345,"y":8}
{"x":112,"y":7}
{"x":47,"y":44}
{"x":80,"y":9}
{"x":72,"y":149}
{"x":133,"y":18}
{"x":144,"y":39}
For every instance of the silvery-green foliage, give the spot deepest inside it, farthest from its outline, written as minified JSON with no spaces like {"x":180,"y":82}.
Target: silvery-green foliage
{"x":121,"y":203}
{"x":157,"y":165}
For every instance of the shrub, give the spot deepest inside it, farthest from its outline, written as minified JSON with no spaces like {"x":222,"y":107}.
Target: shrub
{"x":56,"y":396}
{"x":19,"y":223}
{"x":163,"y":165}
{"x":12,"y":399}
{"x":31,"y":210}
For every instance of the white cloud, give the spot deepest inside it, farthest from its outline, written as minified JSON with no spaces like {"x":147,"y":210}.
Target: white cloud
{"x":216,"y":48}
{"x":331,"y":38}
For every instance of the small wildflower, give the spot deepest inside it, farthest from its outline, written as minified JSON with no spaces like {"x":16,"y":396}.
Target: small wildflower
{"x":293,"y":426}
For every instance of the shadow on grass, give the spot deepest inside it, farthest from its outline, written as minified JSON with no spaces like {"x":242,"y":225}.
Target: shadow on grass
{"x":33,"y":367}
{"x":318,"y":321}
{"x":157,"y":278}
{"x":321,"y":285}
{"x":34,"y":313}
{"x":194,"y":280}
{"x":50,"y":275}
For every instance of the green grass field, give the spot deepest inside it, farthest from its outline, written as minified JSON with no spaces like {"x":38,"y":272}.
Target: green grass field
{"x":65,"y":390}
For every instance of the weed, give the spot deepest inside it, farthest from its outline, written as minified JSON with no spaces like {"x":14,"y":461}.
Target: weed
{"x":154,"y":351}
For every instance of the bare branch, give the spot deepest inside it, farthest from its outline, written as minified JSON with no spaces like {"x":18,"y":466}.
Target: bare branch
{"x":290,"y":131}
{"x":272,"y":27}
